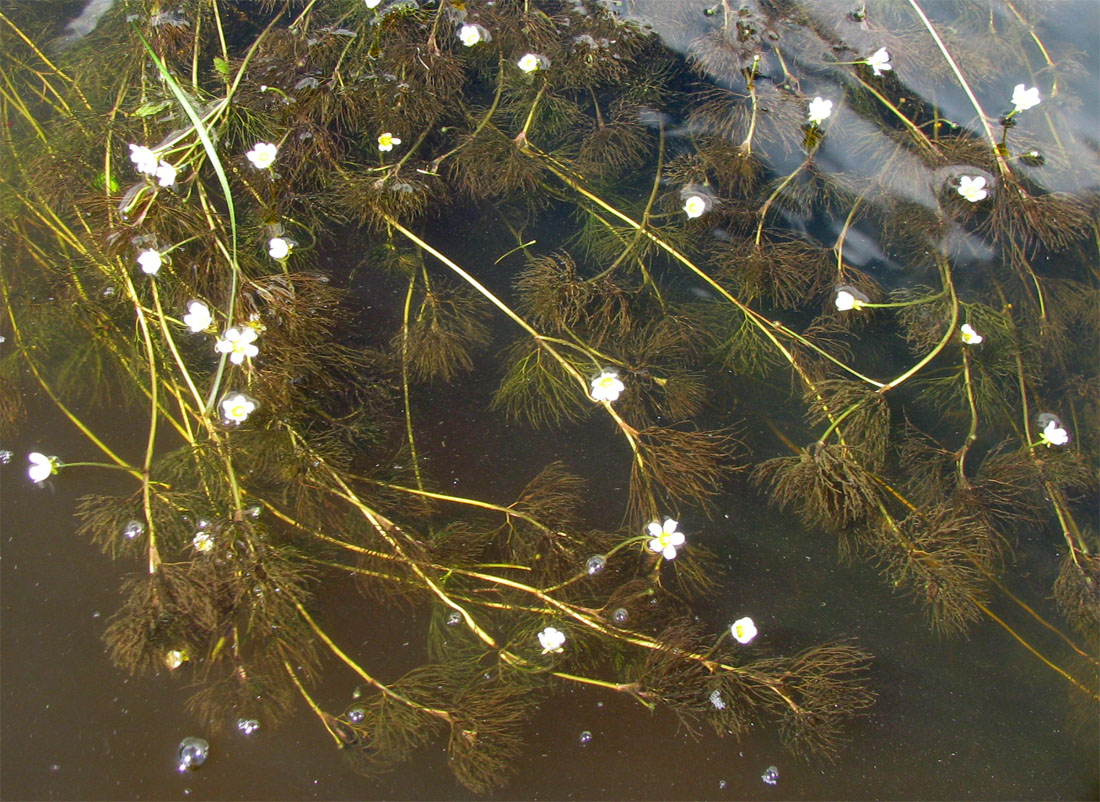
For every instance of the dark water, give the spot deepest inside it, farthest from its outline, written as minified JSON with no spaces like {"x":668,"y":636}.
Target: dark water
{"x":966,"y":717}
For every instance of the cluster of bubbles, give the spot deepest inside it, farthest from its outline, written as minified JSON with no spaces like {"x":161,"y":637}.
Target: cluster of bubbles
{"x":247,"y":725}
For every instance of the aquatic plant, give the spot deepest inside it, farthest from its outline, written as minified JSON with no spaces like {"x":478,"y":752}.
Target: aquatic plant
{"x":178,"y":185}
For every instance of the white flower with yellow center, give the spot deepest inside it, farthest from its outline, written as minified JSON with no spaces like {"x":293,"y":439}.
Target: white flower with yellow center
{"x":145,"y":161}
{"x":387,"y":140}
{"x":471,"y":34}
{"x":849,"y":298}
{"x":531,"y":62}
{"x":968,"y":335}
{"x":552,"y":640}
{"x":237,"y":342}
{"x":1023,"y":99}
{"x":236,"y":407}
{"x":743,"y":630}
{"x":607,"y":386}
{"x":972,"y":187}
{"x":41,"y":467}
{"x":166,"y":174}
{"x":879,"y":61}
{"x":263,"y":155}
{"x":820,"y":110}
{"x":1054,"y":434}
{"x":198,"y":316}
{"x":203,"y":542}
{"x":665,"y":538}
{"x":279,"y":248}
{"x":150,"y":261}
{"x":695,"y":206}
{"x":175,"y":658}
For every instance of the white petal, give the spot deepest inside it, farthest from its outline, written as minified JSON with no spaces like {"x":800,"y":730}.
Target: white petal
{"x":654,"y":529}
{"x":669,"y":553}
{"x":670,"y":525}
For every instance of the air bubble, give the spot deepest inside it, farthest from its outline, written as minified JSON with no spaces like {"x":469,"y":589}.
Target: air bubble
{"x":585,"y":738}
{"x":454,"y":618}
{"x":247,"y":725}
{"x":133,"y":529}
{"x":192,"y":753}
{"x":595,"y":565}
{"x":357,"y":714}
{"x":770,"y":775}
{"x":620,"y":616}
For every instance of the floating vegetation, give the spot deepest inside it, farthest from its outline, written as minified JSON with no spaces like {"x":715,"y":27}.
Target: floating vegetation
{"x":681,"y":238}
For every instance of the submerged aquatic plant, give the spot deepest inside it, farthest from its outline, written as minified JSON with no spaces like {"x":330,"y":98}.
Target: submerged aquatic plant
{"x":687,"y":225}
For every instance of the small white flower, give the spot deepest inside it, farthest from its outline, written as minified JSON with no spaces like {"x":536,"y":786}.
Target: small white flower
{"x":236,"y":407}
{"x":198,"y":316}
{"x":150,"y":261}
{"x":695,"y":206}
{"x":972,"y":187}
{"x":849,"y":298}
{"x":607,"y":386}
{"x":1023,"y":99}
{"x":471,"y":34}
{"x":278,"y":248}
{"x":1053,"y":434}
{"x":145,"y":161}
{"x":532,"y":62}
{"x":372,"y":3}
{"x":879,"y":61}
{"x":237,"y":342}
{"x":665,"y":538}
{"x":551,"y":640}
{"x":175,"y":658}
{"x":41,"y":467}
{"x":262,"y":155}
{"x":166,"y":174}
{"x":968,"y":335}
{"x":203,"y":542}
{"x":387,"y":140}
{"x":820,"y":110}
{"x":743,"y":630}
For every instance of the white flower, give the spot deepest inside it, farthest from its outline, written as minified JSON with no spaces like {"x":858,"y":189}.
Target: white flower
{"x":175,"y":658}
{"x":879,"y":61}
{"x":145,"y":161}
{"x":665,"y":538}
{"x":278,"y":248}
{"x":551,"y":640}
{"x":203,"y":542}
{"x":607,"y":386}
{"x":969,"y":336}
{"x":848,"y":298}
{"x":743,"y":630}
{"x":150,"y":261}
{"x":373,"y":3}
{"x":972,"y":187}
{"x":42,"y":467}
{"x":820,"y":110}
{"x":198,"y":316}
{"x":262,"y":154}
{"x":695,"y":206}
{"x":166,"y":174}
{"x":387,"y":140}
{"x":470,"y":34}
{"x":1024,"y":99}
{"x":1053,"y":434}
{"x":237,"y":342}
{"x":532,"y":62}
{"x":236,"y":407}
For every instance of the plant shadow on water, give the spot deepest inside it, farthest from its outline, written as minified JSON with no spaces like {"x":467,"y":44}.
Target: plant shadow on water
{"x":533,"y":399}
